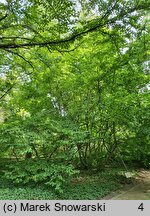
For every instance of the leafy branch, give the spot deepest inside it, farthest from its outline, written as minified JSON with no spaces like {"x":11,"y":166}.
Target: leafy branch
{"x":7,"y":91}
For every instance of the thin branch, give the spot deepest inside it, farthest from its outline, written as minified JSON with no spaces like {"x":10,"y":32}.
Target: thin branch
{"x":55,"y":149}
{"x":15,"y":53}
{"x":4,"y":17}
{"x":71,"y":49}
{"x":109,"y":10}
{"x":7,"y":91}
{"x":14,"y":38}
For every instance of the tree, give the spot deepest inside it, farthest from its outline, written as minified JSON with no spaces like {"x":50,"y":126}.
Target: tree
{"x":73,"y":84}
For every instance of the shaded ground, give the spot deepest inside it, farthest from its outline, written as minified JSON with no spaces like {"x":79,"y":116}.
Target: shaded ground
{"x":86,"y":185}
{"x":136,"y":191}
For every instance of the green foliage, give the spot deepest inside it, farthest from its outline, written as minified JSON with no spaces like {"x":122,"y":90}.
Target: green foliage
{"x":74,"y":86}
{"x":82,"y":186}
{"x":39,"y":172}
{"x":89,"y":186}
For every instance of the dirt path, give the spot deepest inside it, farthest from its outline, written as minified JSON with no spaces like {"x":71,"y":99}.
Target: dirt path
{"x":139,"y":191}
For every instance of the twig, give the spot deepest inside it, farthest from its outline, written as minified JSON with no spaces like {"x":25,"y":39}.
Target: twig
{"x":8,"y":90}
{"x":15,"y":53}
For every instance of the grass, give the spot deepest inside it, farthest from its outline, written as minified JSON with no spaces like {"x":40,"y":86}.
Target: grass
{"x":85,"y":186}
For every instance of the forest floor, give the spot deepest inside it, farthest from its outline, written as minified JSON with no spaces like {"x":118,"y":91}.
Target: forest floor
{"x":110,"y":184}
{"x":138,"y":190}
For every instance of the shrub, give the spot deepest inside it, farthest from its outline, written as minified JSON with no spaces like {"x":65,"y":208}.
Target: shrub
{"x":31,"y":171}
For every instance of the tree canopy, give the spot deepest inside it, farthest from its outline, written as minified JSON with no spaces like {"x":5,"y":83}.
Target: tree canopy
{"x":74,"y":84}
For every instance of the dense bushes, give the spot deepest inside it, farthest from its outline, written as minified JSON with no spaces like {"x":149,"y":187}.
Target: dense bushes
{"x":37,"y":172}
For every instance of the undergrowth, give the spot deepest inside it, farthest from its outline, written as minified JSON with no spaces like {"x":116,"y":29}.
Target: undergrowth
{"x":84,"y":186}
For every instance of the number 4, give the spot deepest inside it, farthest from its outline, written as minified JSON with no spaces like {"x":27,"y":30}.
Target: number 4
{"x":141,"y":207}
